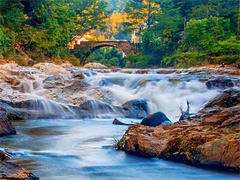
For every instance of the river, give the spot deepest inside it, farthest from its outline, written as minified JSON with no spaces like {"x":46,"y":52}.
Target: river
{"x":84,"y":148}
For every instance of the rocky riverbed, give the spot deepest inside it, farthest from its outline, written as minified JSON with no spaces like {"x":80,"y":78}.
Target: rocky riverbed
{"x":49,"y":91}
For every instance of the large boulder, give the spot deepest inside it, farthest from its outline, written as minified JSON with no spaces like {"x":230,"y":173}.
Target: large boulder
{"x":221,"y":83}
{"x":156,"y":119}
{"x":210,"y":139}
{"x":135,"y":108}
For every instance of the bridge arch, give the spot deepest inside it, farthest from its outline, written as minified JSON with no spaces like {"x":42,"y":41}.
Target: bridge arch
{"x":98,"y":46}
{"x":85,"y":48}
{"x":124,"y":46}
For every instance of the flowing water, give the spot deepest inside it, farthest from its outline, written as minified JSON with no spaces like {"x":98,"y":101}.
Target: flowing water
{"x":79,"y":150}
{"x":75,"y":149}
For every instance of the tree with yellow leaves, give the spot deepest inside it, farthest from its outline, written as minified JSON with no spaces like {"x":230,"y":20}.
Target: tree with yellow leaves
{"x":90,"y":15}
{"x":141,"y":13}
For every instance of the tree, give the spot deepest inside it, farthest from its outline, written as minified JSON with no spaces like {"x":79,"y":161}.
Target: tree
{"x":90,"y":15}
{"x":204,"y":34}
{"x":141,"y":13}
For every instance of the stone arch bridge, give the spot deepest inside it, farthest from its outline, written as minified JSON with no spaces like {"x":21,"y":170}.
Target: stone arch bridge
{"x":89,"y":46}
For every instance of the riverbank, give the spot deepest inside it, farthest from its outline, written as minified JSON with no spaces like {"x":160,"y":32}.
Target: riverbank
{"x":211,"y":139}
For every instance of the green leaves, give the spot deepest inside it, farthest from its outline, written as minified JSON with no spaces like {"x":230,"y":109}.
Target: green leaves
{"x":204,"y":34}
{"x":47,"y":26}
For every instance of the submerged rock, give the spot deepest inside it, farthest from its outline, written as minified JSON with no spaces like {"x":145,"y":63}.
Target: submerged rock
{"x":6,"y":128}
{"x":156,"y":119}
{"x":210,"y":139}
{"x":135,"y":108}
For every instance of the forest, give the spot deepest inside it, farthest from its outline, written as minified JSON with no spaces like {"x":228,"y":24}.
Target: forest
{"x":176,"y":33}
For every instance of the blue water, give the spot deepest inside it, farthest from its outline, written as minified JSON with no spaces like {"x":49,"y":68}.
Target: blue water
{"x":77,"y":149}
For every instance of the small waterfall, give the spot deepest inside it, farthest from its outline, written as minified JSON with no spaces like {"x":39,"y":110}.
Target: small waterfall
{"x":48,"y":108}
{"x":31,"y":86}
{"x":98,"y":109}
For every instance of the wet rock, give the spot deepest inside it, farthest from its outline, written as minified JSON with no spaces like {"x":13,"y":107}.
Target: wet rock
{"x":166,"y":71}
{"x":117,"y":122}
{"x":95,"y":66}
{"x":54,"y":81}
{"x":135,"y":108}
{"x":34,"y":109}
{"x":77,"y":85}
{"x":6,"y":128}
{"x":156,"y":119}
{"x":142,"y":71}
{"x":10,"y":112}
{"x":3,"y":155}
{"x":210,"y":139}
{"x":222,"y":83}
{"x":78,"y":75}
{"x":12,"y":171}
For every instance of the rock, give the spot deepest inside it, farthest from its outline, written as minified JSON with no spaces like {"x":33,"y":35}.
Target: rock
{"x":117,"y":122}
{"x":54,"y":81}
{"x":135,"y":108}
{"x":142,"y":71}
{"x":66,"y":65}
{"x":156,"y":119}
{"x":78,"y":75}
{"x":9,"y":66}
{"x":95,"y":66}
{"x":50,"y":68}
{"x":77,"y":85}
{"x":222,"y":83}
{"x":166,"y":71}
{"x":4,"y":155}
{"x":36,"y":108}
{"x":6,"y":128}
{"x":12,"y":171}
{"x":210,"y":139}
{"x":13,"y":81}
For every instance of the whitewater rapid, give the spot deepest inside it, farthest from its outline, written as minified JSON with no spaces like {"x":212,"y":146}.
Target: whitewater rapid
{"x":165,"y":93}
